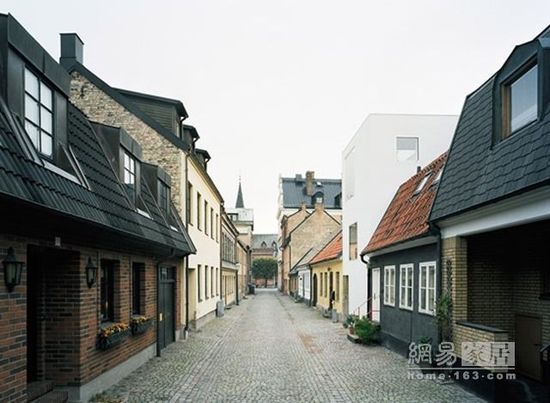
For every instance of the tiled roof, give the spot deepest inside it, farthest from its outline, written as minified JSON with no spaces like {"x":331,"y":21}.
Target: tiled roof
{"x":407,"y":215}
{"x":294,"y":192}
{"x":332,"y":250}
{"x":257,"y":240}
{"x":480,"y":171}
{"x":104,"y":203}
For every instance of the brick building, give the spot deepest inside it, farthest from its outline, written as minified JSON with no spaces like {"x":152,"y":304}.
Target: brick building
{"x":264,"y":246}
{"x":157,"y":124}
{"x":493,"y":210}
{"x":89,"y":244}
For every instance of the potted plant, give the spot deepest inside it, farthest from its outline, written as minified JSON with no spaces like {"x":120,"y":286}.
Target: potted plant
{"x":349,"y":323}
{"x":111,"y":335}
{"x":367,"y":330}
{"x":140,"y":324}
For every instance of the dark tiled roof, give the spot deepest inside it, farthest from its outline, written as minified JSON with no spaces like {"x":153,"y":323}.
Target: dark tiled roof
{"x":257,"y":240}
{"x":105,"y":203}
{"x":294,"y":192}
{"x":478,"y":172}
{"x":332,"y":250}
{"x":407,"y":215}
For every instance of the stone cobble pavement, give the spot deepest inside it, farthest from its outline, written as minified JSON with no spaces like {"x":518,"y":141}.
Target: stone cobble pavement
{"x":270,"y":349}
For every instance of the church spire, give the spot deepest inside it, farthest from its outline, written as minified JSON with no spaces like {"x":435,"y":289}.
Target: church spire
{"x":240,"y":201}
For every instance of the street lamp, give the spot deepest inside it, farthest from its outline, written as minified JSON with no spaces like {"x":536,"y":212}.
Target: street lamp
{"x":91,"y":273}
{"x":12,"y":270}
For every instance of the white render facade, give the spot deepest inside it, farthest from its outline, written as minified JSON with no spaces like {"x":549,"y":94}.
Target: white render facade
{"x":372,"y":169}
{"x":304,"y":283}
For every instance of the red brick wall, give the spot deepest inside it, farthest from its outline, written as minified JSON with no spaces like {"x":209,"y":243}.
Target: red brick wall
{"x":13,"y":318}
{"x":67,"y":337}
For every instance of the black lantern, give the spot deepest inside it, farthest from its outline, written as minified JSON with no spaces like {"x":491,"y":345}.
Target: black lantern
{"x":91,"y":272}
{"x":12,"y":270}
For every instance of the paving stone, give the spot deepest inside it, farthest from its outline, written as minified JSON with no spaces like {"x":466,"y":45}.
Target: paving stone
{"x":270,"y":349}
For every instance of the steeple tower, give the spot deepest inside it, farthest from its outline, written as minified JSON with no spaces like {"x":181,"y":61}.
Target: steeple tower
{"x":240,"y":201}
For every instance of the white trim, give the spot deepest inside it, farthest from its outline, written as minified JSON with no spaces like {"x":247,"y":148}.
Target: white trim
{"x":427,"y":240}
{"x":403,"y":296}
{"x":522,"y":209}
{"x":389,"y":287}
{"x":143,"y":213}
{"x":427,"y":266}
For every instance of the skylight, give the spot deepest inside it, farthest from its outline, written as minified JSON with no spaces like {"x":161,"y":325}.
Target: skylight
{"x":422,"y":184}
{"x":438,"y":177}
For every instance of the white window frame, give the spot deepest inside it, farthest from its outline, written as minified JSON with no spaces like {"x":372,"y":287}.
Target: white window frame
{"x":427,"y":266}
{"x":406,"y":272}
{"x":389,"y":286}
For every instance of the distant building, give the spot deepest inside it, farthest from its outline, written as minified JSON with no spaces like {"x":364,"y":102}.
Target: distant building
{"x":265,"y":246}
{"x":386,"y":150}
{"x":302,"y":194}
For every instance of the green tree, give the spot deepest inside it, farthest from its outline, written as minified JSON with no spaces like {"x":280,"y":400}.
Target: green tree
{"x":265,"y":268}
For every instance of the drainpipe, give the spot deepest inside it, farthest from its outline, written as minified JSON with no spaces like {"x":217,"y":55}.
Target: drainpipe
{"x":186,"y":267}
{"x":369,"y":287}
{"x":435,"y":230}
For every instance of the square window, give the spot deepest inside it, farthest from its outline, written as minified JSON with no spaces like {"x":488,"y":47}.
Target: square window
{"x":407,"y":148}
{"x":520,"y":101}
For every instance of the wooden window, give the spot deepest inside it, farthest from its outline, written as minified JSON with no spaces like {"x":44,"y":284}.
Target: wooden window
{"x":39,"y":113}
{"x":406,"y":276}
{"x":199,"y":207}
{"x":107,"y":284}
{"x":520,"y":100}
{"x":206,"y":296}
{"x":427,"y":287}
{"x":352,"y":241}
{"x":212,"y":223}
{"x":212,"y":282}
{"x":199,"y":285}
{"x":389,"y":285}
{"x":164,"y":196}
{"x":206,"y":217}
{"x":217,"y":228}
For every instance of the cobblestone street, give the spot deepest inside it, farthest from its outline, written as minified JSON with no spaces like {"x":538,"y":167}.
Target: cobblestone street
{"x":272,"y":349}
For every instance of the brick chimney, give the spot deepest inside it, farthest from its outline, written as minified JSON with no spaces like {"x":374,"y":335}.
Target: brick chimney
{"x":310,"y":179}
{"x":72,"y":50}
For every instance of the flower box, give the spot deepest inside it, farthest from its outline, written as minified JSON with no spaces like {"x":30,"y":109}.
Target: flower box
{"x":112,"y":335}
{"x":139,"y":325}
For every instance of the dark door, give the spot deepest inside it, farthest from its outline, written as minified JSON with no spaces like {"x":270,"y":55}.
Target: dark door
{"x":314,"y":294}
{"x":167,"y":300}
{"x":528,"y":345}
{"x":331,"y":292}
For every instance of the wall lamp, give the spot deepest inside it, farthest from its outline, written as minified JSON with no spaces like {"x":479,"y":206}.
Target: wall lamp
{"x":91,"y":273}
{"x":12,"y":270}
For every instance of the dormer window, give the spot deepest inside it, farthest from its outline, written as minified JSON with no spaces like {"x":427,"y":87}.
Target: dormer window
{"x":164,"y":196}
{"x":39,"y":113}
{"x":520,"y":101}
{"x":421,"y":184}
{"x":129,"y":174}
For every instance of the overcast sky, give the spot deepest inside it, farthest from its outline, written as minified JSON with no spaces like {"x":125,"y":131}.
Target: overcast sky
{"x":280,"y":87}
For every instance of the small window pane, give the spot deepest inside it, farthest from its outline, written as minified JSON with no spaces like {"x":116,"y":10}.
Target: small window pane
{"x":45,"y":96}
{"x":524,"y":97}
{"x":407,"y":148}
{"x":31,"y":109}
{"x":46,"y":143}
{"x":31,"y":83}
{"x":32,"y":131}
{"x":46,"y":120}
{"x":423,"y":299}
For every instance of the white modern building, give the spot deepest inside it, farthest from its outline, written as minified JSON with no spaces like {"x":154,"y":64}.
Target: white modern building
{"x":386,"y":150}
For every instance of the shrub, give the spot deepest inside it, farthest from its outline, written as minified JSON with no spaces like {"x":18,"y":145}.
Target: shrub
{"x":350,"y":320}
{"x":366,"y":330}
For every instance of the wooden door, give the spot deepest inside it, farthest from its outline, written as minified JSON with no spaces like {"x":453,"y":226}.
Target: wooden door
{"x":528,"y":345}
{"x":167,"y":301}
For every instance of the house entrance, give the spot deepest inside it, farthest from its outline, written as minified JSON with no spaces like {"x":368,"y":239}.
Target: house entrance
{"x":528,"y":345}
{"x":375,"y":307}
{"x":167,"y":326}
{"x":314,"y":298}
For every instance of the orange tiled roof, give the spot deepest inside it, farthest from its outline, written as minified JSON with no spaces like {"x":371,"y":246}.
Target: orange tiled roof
{"x":332,"y":250}
{"x":407,"y":215}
